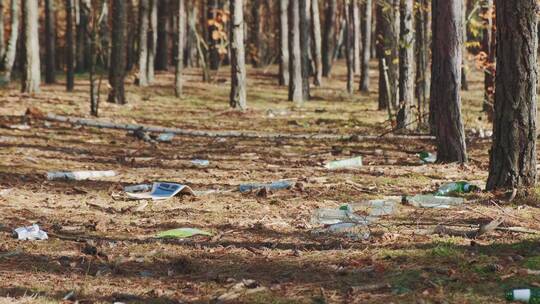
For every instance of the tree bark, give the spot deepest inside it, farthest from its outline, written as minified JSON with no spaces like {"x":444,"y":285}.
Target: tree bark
{"x":255,"y":33}
{"x":70,"y":48}
{"x":284,"y":42}
{"x":162,"y":50}
{"x":152,"y":40}
{"x":305,"y":45}
{"x":2,"y":31}
{"x":317,"y":43}
{"x":445,"y":103}
{"x":117,"y":68}
{"x":513,"y":152}
{"x":348,"y":10}
{"x":387,"y":49}
{"x":181,"y":26}
{"x":328,"y":36}
{"x":50,"y":42}
{"x":295,"y":81}
{"x":83,"y":43}
{"x":143,"y":41}
{"x":357,"y":28}
{"x":489,"y":47}
{"x":214,"y":59}
{"x":238,"y":66}
{"x":464,"y":68}
{"x":422,"y":58}
{"x":366,"y":46}
{"x":131,"y":55}
{"x":406,"y":66}
{"x":7,"y":61}
{"x":191,"y":48}
{"x":31,"y":72}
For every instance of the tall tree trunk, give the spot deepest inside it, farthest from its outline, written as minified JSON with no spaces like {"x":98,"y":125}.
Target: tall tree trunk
{"x":143,"y":41}
{"x":317,"y":43}
{"x":357,"y":28}
{"x":489,"y":47}
{"x":328,"y":36}
{"x":162,"y":51}
{"x":117,"y":70}
{"x":255,"y":33}
{"x":445,"y":103}
{"x":191,"y":48}
{"x":70,"y":48}
{"x":366,"y":46}
{"x":83,"y":48}
{"x":387,"y":49}
{"x":406,"y":66}
{"x":284,"y":42}
{"x":104,"y":36}
{"x":94,"y":90}
{"x":152,"y":40}
{"x":422,"y":58}
{"x":295,"y":81}
{"x":348,"y":10}
{"x":238,"y":66}
{"x":305,"y":45}
{"x":130,"y":36}
{"x":181,"y":26}
{"x":2,"y":30}
{"x":464,"y":68}
{"x":214,"y":59}
{"x":7,"y":61}
{"x":513,"y":152}
{"x":50,"y":42}
{"x":31,"y":71}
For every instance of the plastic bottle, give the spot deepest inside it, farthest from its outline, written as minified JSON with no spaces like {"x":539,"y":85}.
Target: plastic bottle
{"x":432,"y":201}
{"x":455,"y":188}
{"x":427,"y":157}
{"x":345,"y":163}
{"x":335,"y":216}
{"x":531,"y":296}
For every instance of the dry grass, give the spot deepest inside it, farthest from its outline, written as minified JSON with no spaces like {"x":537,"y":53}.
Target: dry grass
{"x":264,"y":239}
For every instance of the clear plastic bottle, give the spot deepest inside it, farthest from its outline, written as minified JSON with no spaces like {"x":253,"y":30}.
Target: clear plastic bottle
{"x":456,"y":188}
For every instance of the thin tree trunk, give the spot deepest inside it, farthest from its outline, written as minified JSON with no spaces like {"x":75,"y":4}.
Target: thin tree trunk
{"x":366,"y":46}
{"x":284,"y":42}
{"x":181,"y":26}
{"x":328,"y":36}
{"x":94,"y":92}
{"x":357,"y":28}
{"x":104,"y":36}
{"x":305,"y":45}
{"x":162,"y":50}
{"x":131,"y":55}
{"x":445,"y":103}
{"x":214,"y":59}
{"x":117,"y":70}
{"x":489,"y":47}
{"x":191,"y":48}
{"x":387,"y":49}
{"x":406,"y":66}
{"x":50,"y":42}
{"x":143,"y":41}
{"x":464,"y":68}
{"x":2,"y":31}
{"x":31,"y":71}
{"x":152,"y":40}
{"x":70,"y":50}
{"x":422,"y":58}
{"x":513,"y":152}
{"x":255,"y":33}
{"x":317,"y":43}
{"x":83,"y":11}
{"x":348,"y":9}
{"x":295,"y":81}
{"x":7,"y":61}
{"x":238,"y":66}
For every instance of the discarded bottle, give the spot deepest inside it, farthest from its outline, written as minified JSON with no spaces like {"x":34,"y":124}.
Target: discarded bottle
{"x":351,"y":230}
{"x":427,"y":158}
{"x":455,"y":188}
{"x":531,"y":296}
{"x":336,"y":216}
{"x":278,"y":185}
{"x":432,"y":201}
{"x":345,"y":163}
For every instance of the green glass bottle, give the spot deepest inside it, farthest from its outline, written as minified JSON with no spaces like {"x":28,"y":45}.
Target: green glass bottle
{"x":455,"y":188}
{"x":531,"y":296}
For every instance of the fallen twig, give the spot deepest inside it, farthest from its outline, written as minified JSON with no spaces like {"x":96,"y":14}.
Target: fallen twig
{"x":471,"y":234}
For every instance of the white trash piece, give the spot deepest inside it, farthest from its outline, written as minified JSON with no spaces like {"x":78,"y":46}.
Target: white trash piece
{"x":30,"y":233}
{"x":345,"y":163}
{"x":79,"y":175}
{"x":157,"y":191}
{"x":432,"y":201}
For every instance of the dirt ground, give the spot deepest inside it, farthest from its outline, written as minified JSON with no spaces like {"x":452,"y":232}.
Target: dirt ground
{"x":102,"y":247}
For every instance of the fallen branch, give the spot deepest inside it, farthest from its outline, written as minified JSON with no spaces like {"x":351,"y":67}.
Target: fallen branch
{"x":471,"y":234}
{"x":199,"y":133}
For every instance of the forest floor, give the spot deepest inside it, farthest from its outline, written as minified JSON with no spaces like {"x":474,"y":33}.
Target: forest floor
{"x":102,"y":247}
